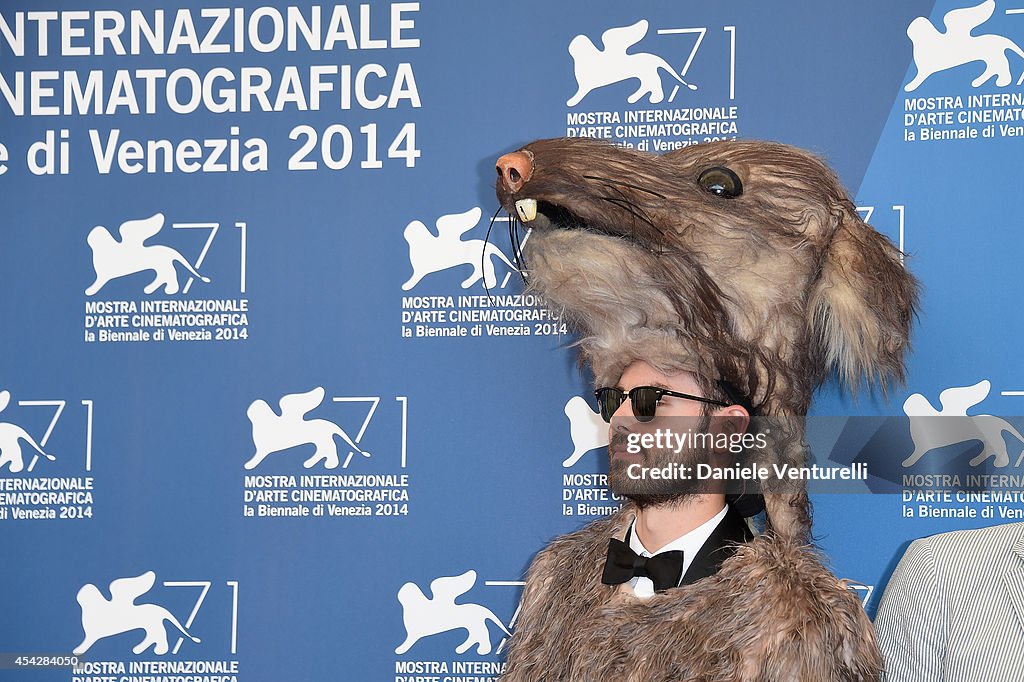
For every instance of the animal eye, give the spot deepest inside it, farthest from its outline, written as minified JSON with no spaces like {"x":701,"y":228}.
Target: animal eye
{"x":721,"y":182}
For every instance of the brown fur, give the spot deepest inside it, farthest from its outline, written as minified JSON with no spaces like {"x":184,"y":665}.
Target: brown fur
{"x":769,"y":290}
{"x":772,"y":612}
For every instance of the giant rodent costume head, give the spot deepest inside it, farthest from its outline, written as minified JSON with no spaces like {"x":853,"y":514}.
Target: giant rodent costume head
{"x":742,"y":261}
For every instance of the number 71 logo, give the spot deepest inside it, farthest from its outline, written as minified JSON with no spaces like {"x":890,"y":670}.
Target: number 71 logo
{"x":13,"y":435}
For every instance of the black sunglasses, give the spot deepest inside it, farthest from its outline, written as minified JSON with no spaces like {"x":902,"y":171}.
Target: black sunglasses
{"x":644,"y":400}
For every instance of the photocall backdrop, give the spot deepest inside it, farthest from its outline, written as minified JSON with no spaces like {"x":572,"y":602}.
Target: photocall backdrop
{"x":252,"y":385}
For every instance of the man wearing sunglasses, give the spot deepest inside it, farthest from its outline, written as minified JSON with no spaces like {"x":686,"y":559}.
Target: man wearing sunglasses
{"x":740,"y":261}
{"x":634,"y":573}
{"x":685,"y":529}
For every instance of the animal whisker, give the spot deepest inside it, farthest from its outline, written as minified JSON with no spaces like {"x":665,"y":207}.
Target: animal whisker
{"x":483,"y":251}
{"x":514,"y":225}
{"x":630,"y":208}
{"x":514,"y":241}
{"x":609,"y":181}
{"x":633,"y":207}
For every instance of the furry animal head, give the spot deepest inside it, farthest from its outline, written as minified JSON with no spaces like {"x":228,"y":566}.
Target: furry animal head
{"x":741,"y":261}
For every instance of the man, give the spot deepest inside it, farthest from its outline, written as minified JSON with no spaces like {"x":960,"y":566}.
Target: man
{"x":746,"y":264}
{"x":953,"y":610}
{"x":595,"y":609}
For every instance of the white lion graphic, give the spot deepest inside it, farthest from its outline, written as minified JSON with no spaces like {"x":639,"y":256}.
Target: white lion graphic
{"x":597,"y":68}
{"x":112,"y":259}
{"x":272,"y":433}
{"x":935,"y":51}
{"x":586,"y":428}
{"x":957,"y":426}
{"x":429,"y":254}
{"x":105,"y":618}
{"x":424,"y":617}
{"x":10,"y":435}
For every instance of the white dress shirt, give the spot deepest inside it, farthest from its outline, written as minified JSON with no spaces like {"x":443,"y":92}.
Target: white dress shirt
{"x":690,"y":543}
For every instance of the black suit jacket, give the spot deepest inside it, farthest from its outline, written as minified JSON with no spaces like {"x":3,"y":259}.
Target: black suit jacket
{"x":719,"y":546}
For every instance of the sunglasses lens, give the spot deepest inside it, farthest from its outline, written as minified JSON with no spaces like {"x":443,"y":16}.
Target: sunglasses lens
{"x":608,"y":400}
{"x":645,"y":401}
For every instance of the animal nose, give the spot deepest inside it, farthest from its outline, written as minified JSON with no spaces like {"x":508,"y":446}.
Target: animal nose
{"x":515,"y":169}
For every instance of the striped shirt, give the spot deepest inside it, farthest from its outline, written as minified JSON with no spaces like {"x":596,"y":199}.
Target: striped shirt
{"x":954,"y":608}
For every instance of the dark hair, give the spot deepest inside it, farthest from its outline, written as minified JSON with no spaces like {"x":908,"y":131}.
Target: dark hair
{"x":747,"y":504}
{"x":723,"y":391}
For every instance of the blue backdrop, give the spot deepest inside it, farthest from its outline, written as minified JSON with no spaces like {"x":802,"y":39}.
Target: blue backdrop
{"x":329,"y":170}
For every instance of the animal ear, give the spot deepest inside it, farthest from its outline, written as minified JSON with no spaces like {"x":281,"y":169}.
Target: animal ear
{"x":861,"y":305}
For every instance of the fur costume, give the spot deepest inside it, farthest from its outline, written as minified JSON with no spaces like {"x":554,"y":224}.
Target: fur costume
{"x":740,"y":261}
{"x":772,"y":612}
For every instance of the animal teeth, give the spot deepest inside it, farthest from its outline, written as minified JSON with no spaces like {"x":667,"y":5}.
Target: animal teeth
{"x":527,"y":209}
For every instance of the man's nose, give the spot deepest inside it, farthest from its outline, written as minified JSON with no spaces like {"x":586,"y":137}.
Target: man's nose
{"x":623,"y":417}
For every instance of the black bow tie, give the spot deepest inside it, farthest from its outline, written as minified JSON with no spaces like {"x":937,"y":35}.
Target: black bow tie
{"x":623,"y":564}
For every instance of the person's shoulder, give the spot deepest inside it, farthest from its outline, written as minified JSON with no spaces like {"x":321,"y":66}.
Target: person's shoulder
{"x":966,"y":551}
{"x":973,"y":539}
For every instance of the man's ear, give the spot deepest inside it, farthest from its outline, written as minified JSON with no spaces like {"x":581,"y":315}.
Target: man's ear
{"x":861,"y":305}
{"x":735,"y":419}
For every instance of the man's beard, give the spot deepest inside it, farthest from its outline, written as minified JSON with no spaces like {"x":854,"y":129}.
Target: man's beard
{"x":647,"y":492}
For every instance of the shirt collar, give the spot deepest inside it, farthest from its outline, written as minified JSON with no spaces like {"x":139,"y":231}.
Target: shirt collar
{"x":690,"y":543}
